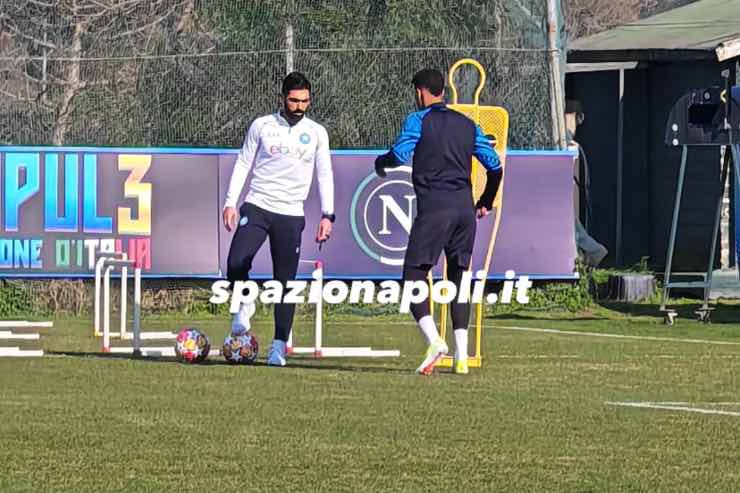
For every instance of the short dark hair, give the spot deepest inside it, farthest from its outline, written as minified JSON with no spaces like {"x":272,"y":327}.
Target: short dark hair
{"x":295,"y":80}
{"x":430,"y":79}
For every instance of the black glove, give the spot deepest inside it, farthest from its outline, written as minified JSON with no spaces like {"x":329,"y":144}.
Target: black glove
{"x":493,"y":180}
{"x":382,"y":162}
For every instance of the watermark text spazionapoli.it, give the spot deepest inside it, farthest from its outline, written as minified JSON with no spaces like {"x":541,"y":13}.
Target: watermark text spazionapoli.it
{"x":403,"y":293}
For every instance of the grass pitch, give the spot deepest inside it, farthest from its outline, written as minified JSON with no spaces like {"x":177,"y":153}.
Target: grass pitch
{"x":536,"y":417}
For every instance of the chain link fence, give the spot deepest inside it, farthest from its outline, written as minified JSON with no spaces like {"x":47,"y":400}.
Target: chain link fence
{"x":195,"y":73}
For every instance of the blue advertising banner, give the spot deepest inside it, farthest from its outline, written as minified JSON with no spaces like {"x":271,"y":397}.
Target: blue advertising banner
{"x":58,"y":205}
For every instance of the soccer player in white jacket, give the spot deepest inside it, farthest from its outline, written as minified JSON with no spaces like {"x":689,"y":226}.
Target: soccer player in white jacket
{"x":282,"y":150}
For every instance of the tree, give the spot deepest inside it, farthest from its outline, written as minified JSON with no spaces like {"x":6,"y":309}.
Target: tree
{"x":586,"y":17}
{"x":196,"y":72}
{"x":57,"y":52}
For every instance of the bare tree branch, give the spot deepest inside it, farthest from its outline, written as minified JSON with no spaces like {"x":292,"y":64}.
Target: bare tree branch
{"x":145,"y":27}
{"x":585,"y":17}
{"x":75,"y":84}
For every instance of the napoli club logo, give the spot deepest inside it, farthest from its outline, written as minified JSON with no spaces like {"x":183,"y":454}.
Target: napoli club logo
{"x":305,"y":138}
{"x":381,"y":215}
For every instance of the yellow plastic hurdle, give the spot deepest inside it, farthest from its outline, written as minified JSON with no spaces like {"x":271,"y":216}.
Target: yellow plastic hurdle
{"x":494,"y":121}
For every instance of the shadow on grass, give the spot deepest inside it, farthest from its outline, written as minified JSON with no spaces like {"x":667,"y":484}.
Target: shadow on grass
{"x":536,"y":316}
{"x":645,"y":310}
{"x":299,"y":363}
{"x":721,"y":313}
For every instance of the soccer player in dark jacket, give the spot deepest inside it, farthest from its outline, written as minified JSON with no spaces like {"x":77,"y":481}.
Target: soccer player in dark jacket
{"x":442,"y":143}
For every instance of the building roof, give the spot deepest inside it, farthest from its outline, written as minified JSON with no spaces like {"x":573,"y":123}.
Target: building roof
{"x":703,"y":30}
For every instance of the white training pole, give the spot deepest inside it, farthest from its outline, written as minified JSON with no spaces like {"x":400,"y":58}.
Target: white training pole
{"x":156,"y":351}
{"x":98,"y":274}
{"x":137,"y":311}
{"x":9,"y":334}
{"x":347,"y":352}
{"x":100,"y":259}
{"x":106,"y":309}
{"x":318,"y":350}
{"x":20,"y":353}
{"x":124,"y":296}
{"x":289,"y":344}
{"x":319,"y":276}
{"x":24,"y":324}
{"x":107,"y":263}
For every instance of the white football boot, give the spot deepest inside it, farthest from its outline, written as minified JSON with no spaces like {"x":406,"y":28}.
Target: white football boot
{"x":241,"y":322}
{"x":276,"y":354}
{"x":435,"y":352}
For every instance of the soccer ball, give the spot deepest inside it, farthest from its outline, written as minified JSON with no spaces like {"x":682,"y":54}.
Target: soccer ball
{"x":241,"y":349}
{"x":191,"y":345}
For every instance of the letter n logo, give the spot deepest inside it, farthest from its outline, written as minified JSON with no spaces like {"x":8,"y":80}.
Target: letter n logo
{"x":404,"y":217}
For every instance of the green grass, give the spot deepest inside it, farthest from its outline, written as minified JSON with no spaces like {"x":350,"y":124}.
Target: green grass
{"x":534,"y":418}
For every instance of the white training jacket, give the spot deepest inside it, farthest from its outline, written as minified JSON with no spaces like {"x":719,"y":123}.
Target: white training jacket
{"x":283,"y":158}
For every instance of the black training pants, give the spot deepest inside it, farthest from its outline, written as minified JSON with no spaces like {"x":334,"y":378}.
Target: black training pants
{"x":255,"y":225}
{"x":452,"y":231}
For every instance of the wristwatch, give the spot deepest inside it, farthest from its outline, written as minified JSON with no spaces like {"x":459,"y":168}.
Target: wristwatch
{"x":330,"y":217}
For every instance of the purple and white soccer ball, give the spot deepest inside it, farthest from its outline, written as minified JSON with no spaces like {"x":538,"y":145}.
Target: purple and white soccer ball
{"x":191,"y":345}
{"x":240,"y":349}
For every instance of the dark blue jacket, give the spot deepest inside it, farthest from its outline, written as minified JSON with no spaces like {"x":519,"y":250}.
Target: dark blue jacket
{"x":442,"y":143}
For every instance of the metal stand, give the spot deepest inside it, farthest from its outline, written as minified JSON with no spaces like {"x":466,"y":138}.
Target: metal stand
{"x":702,"y":314}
